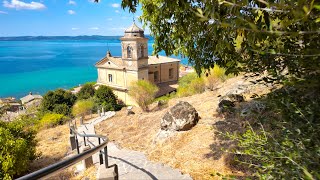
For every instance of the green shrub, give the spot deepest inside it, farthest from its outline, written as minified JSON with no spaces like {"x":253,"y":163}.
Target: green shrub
{"x":61,"y":109}
{"x":52,"y":99}
{"x":82,"y":107}
{"x":105,"y":97}
{"x":87,"y":91}
{"x":184,"y":91}
{"x":17,"y":149}
{"x":51,"y":119}
{"x":197,"y":86}
{"x":186,"y":80}
{"x":143,"y":92}
{"x":190,"y":85}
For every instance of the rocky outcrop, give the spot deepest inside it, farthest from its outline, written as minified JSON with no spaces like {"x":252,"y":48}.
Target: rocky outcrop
{"x":227,"y":103}
{"x":181,"y":117}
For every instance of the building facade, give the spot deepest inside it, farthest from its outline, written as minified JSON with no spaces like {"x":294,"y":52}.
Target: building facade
{"x":135,"y":64}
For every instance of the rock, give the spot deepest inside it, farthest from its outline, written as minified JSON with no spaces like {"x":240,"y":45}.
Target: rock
{"x":162,"y":135}
{"x":227,"y":103}
{"x":181,"y":117}
{"x":225,"y":106}
{"x":236,"y":97}
{"x":254,"y":107}
{"x":129,"y":110}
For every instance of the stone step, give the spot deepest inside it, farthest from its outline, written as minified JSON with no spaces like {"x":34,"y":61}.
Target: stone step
{"x":106,"y":173}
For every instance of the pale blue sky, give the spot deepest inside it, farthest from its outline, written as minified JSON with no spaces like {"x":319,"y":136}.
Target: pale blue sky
{"x":64,"y":18}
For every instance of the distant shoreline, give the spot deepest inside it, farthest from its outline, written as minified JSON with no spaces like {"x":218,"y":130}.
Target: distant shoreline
{"x":82,"y":37}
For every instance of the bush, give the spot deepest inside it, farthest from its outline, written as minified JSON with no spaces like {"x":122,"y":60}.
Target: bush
{"x":190,"y":84}
{"x":105,"y":97}
{"x":17,"y":149}
{"x":87,"y":91}
{"x":216,"y":75}
{"x":52,"y":99}
{"x":82,"y":107}
{"x":197,"y":86}
{"x":283,"y":141}
{"x":51,"y":119}
{"x":61,"y":109}
{"x":143,"y":92}
{"x":211,"y":82}
{"x":186,"y":80}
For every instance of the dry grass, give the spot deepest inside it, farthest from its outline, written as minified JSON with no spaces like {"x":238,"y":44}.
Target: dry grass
{"x":197,"y":151}
{"x":53,"y":146}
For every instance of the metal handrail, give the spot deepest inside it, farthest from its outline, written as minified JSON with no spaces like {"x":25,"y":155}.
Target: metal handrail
{"x":59,"y":166}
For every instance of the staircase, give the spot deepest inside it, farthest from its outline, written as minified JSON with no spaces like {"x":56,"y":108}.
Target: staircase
{"x":131,"y":164}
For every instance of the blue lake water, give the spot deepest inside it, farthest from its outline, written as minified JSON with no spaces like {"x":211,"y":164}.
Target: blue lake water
{"x":41,"y":65}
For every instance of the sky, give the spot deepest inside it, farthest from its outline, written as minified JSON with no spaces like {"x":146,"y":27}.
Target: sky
{"x":64,"y":18}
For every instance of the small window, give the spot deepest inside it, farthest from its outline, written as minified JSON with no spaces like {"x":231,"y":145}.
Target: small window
{"x":156,"y":76}
{"x":129,"y":52}
{"x":171,"y":73}
{"x":110,"y":77}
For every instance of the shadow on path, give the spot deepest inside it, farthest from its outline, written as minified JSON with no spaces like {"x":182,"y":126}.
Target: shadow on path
{"x":141,"y":169}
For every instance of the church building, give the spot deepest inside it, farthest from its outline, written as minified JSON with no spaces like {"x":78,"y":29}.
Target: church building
{"x":135,"y":64}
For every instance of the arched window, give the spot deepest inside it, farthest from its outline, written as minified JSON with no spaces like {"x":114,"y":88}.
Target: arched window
{"x":129,"y":52}
{"x":142,"y":51}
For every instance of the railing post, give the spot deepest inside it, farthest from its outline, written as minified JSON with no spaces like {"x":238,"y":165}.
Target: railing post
{"x":106,"y":157}
{"x":84,"y":140}
{"x":88,"y":161}
{"x":100,"y":153}
{"x":81,"y":120}
{"x":117,"y":172}
{"x":73,"y":142}
{"x":77,"y":145}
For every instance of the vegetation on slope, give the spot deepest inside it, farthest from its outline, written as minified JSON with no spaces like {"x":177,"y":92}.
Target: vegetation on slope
{"x":278,"y":38}
{"x":143,"y":92}
{"x":282,"y":136}
{"x":17,"y":149}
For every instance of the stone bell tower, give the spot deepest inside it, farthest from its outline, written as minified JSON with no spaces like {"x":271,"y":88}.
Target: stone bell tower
{"x":135,"y":51}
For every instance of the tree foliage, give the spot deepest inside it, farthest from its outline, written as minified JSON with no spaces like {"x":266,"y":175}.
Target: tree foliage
{"x":143,"y":92}
{"x":86,"y":92}
{"x":280,"y":37}
{"x":105,"y":97}
{"x":58,"y":101}
{"x":17,"y":149}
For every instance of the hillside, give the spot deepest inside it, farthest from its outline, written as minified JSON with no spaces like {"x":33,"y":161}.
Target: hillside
{"x":197,"y":151}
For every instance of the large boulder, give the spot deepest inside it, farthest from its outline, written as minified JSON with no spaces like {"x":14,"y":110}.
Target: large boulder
{"x":181,"y":117}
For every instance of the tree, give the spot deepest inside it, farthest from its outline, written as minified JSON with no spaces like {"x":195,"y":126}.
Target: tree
{"x":280,"y":37}
{"x":17,"y":149}
{"x":143,"y":92}
{"x":59,"y":101}
{"x":105,"y":97}
{"x":86,"y":92}
{"x":82,"y":107}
